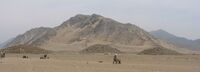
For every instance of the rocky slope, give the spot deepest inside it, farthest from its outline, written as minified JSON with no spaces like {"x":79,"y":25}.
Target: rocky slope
{"x":3,"y":45}
{"x":34,"y":37}
{"x":82,"y":31}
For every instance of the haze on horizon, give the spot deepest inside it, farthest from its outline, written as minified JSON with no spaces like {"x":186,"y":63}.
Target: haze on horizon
{"x":179,"y":17}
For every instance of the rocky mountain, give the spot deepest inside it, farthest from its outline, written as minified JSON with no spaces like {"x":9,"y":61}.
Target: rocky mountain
{"x":178,"y":41}
{"x":82,"y":31}
{"x":35,"y":37}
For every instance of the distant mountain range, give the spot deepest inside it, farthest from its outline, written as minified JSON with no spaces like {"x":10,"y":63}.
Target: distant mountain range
{"x":82,"y":31}
{"x":3,"y":45}
{"x":178,"y":41}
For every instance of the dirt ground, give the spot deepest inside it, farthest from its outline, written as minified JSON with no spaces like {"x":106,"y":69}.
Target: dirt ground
{"x":90,"y":63}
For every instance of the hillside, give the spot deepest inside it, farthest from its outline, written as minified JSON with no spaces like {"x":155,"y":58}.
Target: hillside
{"x":34,"y":37}
{"x":3,"y":45}
{"x":158,"y":51}
{"x":25,"y":49}
{"x":81,"y":31}
{"x":98,"y":48}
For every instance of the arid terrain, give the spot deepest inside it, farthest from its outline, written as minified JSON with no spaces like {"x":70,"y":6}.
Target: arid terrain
{"x":99,"y":36}
{"x":87,"y":43}
{"x":72,"y":62}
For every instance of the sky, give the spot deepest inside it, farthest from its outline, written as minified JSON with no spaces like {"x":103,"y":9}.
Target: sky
{"x":179,"y":17}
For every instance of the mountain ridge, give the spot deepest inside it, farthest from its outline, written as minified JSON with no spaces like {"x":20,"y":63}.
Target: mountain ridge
{"x":32,"y":37}
{"x":176,"y":40}
{"x":82,"y":31}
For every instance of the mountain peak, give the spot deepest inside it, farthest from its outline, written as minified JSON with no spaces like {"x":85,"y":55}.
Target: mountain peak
{"x":97,"y":27}
{"x":80,"y":20}
{"x":96,"y":15}
{"x":92,"y":15}
{"x":80,"y":15}
{"x":160,"y":30}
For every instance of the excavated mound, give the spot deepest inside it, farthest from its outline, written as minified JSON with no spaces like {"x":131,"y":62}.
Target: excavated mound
{"x":98,"y":48}
{"x":25,"y":49}
{"x":158,"y":51}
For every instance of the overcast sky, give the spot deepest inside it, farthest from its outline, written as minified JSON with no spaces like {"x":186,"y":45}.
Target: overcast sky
{"x":179,"y":17}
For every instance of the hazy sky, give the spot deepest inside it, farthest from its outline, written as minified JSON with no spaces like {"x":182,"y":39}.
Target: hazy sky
{"x":180,"y":17}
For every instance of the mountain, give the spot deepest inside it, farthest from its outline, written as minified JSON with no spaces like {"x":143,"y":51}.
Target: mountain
{"x":197,"y":41}
{"x":82,"y":31}
{"x":34,"y":37}
{"x":178,"y":41}
{"x":3,"y":45}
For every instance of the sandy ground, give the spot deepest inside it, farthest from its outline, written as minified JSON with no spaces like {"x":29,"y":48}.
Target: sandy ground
{"x":90,"y":63}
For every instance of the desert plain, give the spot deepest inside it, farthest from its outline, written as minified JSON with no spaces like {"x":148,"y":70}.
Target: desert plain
{"x":75,"y":62}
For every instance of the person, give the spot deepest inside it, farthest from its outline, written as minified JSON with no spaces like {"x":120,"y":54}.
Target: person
{"x":3,"y":54}
{"x":115,"y":56}
{"x":116,"y":60}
